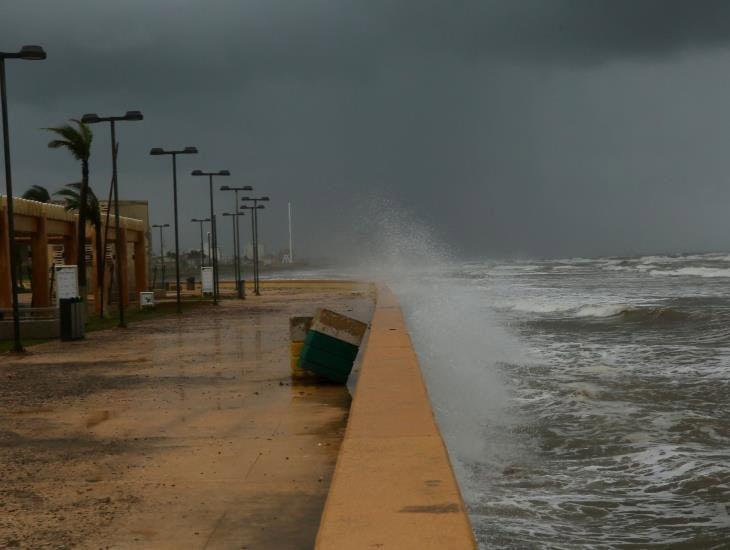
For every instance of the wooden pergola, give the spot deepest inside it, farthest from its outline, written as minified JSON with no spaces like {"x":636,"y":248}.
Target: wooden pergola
{"x":44,"y":224}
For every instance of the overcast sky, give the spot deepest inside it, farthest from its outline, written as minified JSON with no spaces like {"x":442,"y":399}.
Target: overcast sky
{"x":543,"y":127}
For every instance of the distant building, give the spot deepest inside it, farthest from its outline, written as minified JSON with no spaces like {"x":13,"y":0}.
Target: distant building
{"x":249,"y":251}
{"x":207,"y":251}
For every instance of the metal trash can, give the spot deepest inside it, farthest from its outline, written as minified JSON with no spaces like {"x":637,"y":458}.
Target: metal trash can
{"x":191,"y":283}
{"x":71,"y":317}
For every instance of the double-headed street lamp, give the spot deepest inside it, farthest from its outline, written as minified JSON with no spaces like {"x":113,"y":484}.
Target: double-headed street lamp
{"x":156,"y":151}
{"x":255,"y":236}
{"x":240,"y":281}
{"x":162,"y":250}
{"x":210,"y":175}
{"x":201,"y":221}
{"x":93,"y":118}
{"x":28,"y":53}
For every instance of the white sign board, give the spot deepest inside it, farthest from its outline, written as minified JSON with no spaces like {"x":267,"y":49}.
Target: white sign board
{"x":67,"y":285}
{"x":206,"y":276}
{"x":146,"y":299}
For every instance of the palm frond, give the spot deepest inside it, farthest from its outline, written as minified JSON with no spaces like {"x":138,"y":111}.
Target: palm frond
{"x":58,"y":143}
{"x":76,"y":140}
{"x":86,"y":133}
{"x":37,"y":193}
{"x":71,"y":195}
{"x":66,"y":131}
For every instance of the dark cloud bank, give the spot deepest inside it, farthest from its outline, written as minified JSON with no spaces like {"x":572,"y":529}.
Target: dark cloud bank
{"x":546,"y":127}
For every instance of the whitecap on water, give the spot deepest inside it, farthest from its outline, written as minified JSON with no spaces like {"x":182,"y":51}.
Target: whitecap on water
{"x":710,"y":272}
{"x":571,"y":432}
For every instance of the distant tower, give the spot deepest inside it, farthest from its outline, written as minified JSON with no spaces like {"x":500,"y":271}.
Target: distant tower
{"x":291,"y":250}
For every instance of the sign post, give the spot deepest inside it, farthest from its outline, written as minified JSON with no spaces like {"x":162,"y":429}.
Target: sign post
{"x":146,"y":300}
{"x":206,"y":277}
{"x":67,"y":285}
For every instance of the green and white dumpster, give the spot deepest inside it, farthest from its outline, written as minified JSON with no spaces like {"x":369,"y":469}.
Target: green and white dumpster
{"x":331,"y":345}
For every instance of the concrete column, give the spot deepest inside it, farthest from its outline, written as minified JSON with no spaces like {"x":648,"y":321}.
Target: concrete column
{"x":6,"y":296}
{"x":110,"y":277}
{"x":95,"y":290}
{"x":122,"y":259}
{"x":39,"y":251}
{"x":70,"y":246}
{"x":140,"y":264}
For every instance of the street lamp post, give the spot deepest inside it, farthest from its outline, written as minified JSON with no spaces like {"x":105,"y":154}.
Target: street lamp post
{"x":156,"y":151}
{"x":255,"y":237}
{"x":201,"y":221}
{"x":240,"y":282}
{"x":210,"y":246}
{"x":93,"y":118}
{"x":28,"y":53}
{"x":216,"y":289}
{"x":162,"y":250}
{"x":234,"y":219}
{"x":253,"y":246}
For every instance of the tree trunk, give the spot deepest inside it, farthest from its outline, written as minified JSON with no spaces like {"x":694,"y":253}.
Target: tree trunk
{"x":81,"y":257}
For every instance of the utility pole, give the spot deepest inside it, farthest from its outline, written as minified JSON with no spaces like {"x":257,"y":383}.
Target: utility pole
{"x":30,"y":53}
{"x":255,"y":235}
{"x":93,"y":118}
{"x":162,"y":250}
{"x":201,"y":221}
{"x":240,"y":284}
{"x":214,"y":230}
{"x":174,"y":153}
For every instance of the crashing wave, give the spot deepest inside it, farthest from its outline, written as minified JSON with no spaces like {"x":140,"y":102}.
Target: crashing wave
{"x":709,"y":272}
{"x":606,"y":311}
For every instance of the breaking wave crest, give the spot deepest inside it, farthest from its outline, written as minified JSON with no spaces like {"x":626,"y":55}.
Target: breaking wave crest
{"x":709,"y":272}
{"x":582,"y":407}
{"x":608,"y":311}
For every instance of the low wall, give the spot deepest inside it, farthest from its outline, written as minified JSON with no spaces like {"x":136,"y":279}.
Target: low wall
{"x":41,"y":329}
{"x":393,"y":485}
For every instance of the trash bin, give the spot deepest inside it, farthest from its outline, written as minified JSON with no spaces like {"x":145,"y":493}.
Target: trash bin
{"x":331,"y":345}
{"x":191,"y":283}
{"x":71,"y":318}
{"x":64,"y":318}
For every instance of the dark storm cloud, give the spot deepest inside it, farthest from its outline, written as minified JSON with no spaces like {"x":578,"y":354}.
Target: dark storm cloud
{"x":521,"y":112}
{"x":199,"y":46}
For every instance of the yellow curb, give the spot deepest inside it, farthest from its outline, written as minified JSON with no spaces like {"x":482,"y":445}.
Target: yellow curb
{"x":393,"y":486}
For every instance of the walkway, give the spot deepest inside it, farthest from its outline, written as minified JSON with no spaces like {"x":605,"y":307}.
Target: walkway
{"x":176,"y":433}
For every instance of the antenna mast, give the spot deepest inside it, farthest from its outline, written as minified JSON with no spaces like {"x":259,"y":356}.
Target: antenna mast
{"x":291,"y":251}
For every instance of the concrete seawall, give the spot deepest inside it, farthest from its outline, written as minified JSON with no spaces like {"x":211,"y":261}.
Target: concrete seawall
{"x":393,"y":485}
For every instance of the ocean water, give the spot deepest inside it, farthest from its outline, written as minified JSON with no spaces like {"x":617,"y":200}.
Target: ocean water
{"x":585,"y":402}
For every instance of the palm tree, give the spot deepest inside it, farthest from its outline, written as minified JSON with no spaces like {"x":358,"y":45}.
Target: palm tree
{"x":78,"y":142}
{"x":37,"y":193}
{"x":71,"y":195}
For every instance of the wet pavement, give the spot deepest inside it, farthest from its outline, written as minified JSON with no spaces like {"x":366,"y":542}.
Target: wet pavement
{"x":175,"y":433}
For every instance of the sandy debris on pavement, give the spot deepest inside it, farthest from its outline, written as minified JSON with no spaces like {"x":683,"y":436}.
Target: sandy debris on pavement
{"x":175,"y":433}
